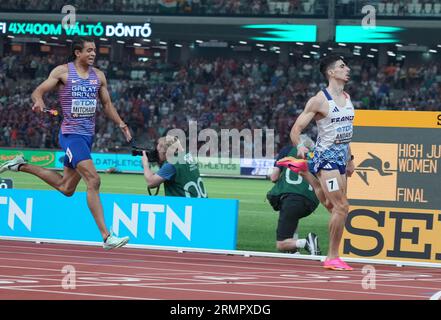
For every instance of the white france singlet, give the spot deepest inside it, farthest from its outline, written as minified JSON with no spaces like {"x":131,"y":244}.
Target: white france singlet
{"x":335,"y":131}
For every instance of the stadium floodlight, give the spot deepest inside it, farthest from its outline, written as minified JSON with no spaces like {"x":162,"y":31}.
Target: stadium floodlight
{"x":285,"y":32}
{"x":358,"y":34}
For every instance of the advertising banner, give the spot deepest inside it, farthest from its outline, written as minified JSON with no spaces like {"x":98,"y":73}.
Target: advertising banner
{"x":394,"y":192}
{"x":39,"y":158}
{"x":147,"y":220}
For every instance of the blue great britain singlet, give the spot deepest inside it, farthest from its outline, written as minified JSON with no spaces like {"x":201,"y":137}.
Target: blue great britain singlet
{"x":79,"y":101}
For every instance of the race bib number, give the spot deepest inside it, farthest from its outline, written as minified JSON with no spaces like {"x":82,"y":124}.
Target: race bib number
{"x":83,"y":107}
{"x":332,"y":185}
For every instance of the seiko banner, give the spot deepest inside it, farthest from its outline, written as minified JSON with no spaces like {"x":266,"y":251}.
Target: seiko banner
{"x":394,"y":192}
{"x":154,"y":221}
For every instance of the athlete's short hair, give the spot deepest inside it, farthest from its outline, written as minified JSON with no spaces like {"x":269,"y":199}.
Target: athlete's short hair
{"x":329,"y":61}
{"x":78,"y":44}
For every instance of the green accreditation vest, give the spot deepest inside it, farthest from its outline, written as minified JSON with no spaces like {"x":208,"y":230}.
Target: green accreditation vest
{"x":187,"y":181}
{"x":291,"y":182}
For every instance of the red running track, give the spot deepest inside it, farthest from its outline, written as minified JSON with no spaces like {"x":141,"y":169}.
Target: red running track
{"x":35,"y":271}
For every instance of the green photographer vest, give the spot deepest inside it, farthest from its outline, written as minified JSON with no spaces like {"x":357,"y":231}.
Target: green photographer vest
{"x":187,"y":181}
{"x":291,"y":182}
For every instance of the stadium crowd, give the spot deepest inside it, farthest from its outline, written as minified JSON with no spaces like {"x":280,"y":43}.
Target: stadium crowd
{"x":218,"y":94}
{"x":343,"y":8}
{"x":181,"y":7}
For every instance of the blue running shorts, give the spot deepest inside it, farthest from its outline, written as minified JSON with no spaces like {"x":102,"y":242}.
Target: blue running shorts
{"x":77,"y":147}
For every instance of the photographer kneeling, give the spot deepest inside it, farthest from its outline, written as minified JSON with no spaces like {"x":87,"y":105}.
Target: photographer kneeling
{"x":178,"y":171}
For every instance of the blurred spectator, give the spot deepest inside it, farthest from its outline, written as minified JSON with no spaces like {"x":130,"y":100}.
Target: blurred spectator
{"x":219,"y":94}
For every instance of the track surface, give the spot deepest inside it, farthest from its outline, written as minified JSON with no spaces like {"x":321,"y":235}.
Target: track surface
{"x":54,"y":271}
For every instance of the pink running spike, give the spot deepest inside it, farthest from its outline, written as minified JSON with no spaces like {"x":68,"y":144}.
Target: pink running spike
{"x":337,"y":264}
{"x":293,"y":164}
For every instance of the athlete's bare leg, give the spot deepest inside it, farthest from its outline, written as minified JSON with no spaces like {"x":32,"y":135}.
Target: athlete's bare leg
{"x":66,"y":183}
{"x":315,"y":184}
{"x":87,"y":171}
{"x":334,"y":187}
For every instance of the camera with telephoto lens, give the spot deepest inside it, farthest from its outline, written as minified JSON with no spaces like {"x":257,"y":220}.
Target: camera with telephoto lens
{"x":152,"y":154}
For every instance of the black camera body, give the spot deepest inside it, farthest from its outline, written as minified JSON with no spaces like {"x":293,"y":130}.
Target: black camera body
{"x":152,"y":154}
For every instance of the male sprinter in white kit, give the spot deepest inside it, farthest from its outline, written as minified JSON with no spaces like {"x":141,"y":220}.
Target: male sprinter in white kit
{"x":332,"y":160}
{"x":80,"y":85}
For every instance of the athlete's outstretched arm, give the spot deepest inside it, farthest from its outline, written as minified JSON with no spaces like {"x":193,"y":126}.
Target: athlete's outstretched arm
{"x":302,"y":122}
{"x":48,"y":85}
{"x":108,"y":107}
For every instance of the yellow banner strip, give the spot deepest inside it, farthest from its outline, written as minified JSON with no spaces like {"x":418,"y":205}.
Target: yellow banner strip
{"x":402,"y":119}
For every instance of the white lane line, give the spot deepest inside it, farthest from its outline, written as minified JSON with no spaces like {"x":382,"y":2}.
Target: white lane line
{"x":59,"y":293}
{"x":171,"y":255}
{"x":297,"y":264}
{"x":59,"y":286}
{"x":436,"y":296}
{"x":360,"y":292}
{"x":152,"y":277}
{"x":178,"y":264}
{"x":226,"y":292}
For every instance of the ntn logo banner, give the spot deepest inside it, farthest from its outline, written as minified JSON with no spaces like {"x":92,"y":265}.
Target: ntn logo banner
{"x":14,"y":211}
{"x":151,"y":211}
{"x":169,"y":221}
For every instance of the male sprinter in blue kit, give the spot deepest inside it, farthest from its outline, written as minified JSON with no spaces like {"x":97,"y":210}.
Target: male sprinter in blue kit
{"x":80,"y":85}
